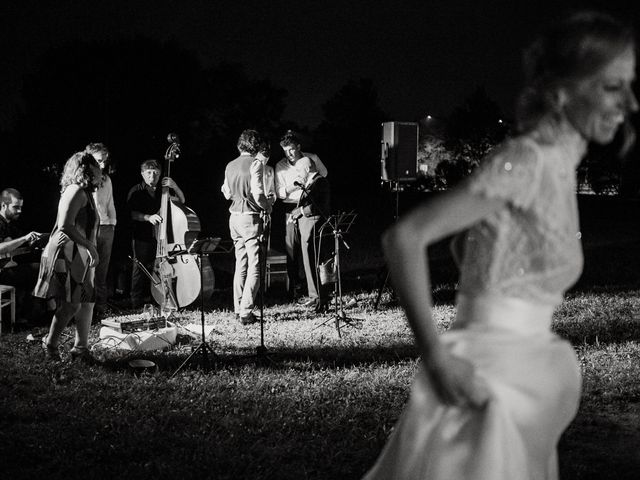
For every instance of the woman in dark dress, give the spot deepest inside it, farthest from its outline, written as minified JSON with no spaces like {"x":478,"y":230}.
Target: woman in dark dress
{"x":67,"y":267}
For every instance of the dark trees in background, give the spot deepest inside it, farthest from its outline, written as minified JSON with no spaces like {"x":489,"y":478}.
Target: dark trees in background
{"x":476,"y":126}
{"x":452,"y":147}
{"x":348,"y":141}
{"x":130,"y":95}
{"x":237,"y":102}
{"x":472,"y":130}
{"x":232,"y":101}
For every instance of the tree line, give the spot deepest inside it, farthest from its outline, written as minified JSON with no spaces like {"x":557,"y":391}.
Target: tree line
{"x":130,"y":93}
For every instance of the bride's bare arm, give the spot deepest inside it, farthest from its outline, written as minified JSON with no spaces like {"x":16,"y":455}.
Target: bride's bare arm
{"x":405,"y":247}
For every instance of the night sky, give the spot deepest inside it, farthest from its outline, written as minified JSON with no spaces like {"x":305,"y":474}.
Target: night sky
{"x":424,"y":57}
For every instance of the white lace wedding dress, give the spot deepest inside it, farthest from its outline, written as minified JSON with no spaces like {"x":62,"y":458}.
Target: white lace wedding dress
{"x":514,"y":269}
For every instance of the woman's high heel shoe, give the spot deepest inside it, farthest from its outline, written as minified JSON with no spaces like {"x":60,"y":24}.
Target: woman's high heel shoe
{"x":51,"y":353}
{"x":82,"y":354}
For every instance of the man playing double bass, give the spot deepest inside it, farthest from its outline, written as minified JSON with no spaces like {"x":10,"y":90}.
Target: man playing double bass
{"x":13,"y":242}
{"x":144,"y":201}
{"x":244,"y":186}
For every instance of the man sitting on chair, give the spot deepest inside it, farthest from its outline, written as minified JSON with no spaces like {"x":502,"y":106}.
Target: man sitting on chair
{"x":244,"y":186}
{"x":13,"y":242}
{"x":313,"y":207}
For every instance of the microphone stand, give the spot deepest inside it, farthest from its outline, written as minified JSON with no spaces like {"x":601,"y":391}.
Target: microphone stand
{"x":335,"y":222}
{"x":200,"y":248}
{"x":261,"y":350}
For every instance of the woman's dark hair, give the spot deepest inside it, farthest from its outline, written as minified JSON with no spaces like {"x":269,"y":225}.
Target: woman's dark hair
{"x":571,"y":49}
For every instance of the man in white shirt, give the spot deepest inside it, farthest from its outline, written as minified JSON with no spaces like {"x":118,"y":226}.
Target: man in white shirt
{"x":311,"y":212}
{"x":289,"y":179}
{"x":244,"y":186}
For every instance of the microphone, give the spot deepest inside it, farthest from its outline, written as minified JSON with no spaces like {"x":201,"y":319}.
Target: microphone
{"x":173,"y":138}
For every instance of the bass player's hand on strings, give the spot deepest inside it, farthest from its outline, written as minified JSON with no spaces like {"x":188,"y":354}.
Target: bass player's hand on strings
{"x":154,"y":219}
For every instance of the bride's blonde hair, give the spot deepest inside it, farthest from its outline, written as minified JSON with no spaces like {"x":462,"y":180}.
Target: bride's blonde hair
{"x":572,"y":49}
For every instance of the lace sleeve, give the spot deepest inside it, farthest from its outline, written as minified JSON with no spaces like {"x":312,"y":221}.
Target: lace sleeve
{"x":511,"y":172}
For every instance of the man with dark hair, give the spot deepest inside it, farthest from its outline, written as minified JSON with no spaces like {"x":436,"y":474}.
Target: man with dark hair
{"x":144,"y":201}
{"x":22,"y":276}
{"x":288,"y":181}
{"x":244,"y":186}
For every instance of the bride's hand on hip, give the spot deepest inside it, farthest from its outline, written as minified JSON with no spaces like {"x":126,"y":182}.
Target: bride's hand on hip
{"x":455,"y":381}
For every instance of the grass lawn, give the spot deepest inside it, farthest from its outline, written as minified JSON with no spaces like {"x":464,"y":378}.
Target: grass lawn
{"x":320,"y":406}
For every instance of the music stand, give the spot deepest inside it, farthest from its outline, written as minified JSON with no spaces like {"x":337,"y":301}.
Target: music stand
{"x":200,"y":248}
{"x":339,"y":224}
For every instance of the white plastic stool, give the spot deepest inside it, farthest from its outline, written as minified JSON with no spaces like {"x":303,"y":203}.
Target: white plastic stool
{"x":8,"y":297}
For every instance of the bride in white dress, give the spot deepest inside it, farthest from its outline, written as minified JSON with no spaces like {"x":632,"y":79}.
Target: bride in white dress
{"x":495,"y":392}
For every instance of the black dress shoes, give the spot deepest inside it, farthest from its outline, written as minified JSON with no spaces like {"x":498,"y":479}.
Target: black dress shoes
{"x":249,"y":319}
{"x":321,"y":306}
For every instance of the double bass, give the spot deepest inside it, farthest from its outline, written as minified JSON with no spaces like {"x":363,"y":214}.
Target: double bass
{"x":179,"y":279}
